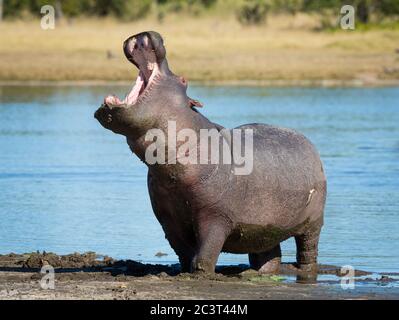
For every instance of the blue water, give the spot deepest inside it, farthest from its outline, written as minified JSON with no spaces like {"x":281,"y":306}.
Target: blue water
{"x":67,"y":184}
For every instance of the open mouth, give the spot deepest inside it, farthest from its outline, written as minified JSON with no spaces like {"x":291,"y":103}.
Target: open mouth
{"x":138,"y":50}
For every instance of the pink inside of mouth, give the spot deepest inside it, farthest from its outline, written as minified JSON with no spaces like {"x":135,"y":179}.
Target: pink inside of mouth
{"x":132,"y":96}
{"x":137,"y":89}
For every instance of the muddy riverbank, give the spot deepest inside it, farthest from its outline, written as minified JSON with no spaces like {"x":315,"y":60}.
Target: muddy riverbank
{"x":89,"y":276}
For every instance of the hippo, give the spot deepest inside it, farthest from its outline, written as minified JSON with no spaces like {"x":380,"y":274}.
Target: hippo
{"x":209,"y":207}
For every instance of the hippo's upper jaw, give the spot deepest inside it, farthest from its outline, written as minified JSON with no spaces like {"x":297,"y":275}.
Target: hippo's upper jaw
{"x":147,"y":52}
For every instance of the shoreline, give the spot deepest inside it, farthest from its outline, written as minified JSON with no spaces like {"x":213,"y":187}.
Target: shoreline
{"x":305,"y":83}
{"x":89,"y":276}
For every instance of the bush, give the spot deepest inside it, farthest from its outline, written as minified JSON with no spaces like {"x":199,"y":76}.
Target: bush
{"x":14,"y":8}
{"x":207,"y":3}
{"x":130,"y":9}
{"x":69,"y":8}
{"x":389,"y":7}
{"x":253,"y":12}
{"x":316,"y":5}
{"x":125,"y":9}
{"x":291,"y":6}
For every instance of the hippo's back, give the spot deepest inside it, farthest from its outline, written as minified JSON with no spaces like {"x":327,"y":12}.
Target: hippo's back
{"x":287,"y":174}
{"x":287,"y":151}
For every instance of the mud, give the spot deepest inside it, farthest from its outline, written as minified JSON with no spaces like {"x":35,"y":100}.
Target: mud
{"x":90,"y":276}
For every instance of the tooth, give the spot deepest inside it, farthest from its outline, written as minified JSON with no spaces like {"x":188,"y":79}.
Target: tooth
{"x":145,"y":40}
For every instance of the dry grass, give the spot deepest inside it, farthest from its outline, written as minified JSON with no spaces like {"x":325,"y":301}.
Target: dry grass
{"x":205,"y":48}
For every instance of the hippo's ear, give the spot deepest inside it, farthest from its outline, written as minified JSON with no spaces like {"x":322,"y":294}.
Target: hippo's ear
{"x":194,"y":103}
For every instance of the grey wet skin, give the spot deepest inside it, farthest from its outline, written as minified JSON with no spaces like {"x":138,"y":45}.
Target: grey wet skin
{"x":205,"y":209}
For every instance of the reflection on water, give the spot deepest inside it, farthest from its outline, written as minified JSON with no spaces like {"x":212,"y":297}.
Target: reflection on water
{"x":69,"y":185}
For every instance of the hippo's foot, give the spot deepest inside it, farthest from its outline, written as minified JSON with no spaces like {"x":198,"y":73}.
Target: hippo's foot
{"x":307,"y":273}
{"x":266,"y":262}
{"x":203,"y":266}
{"x":307,"y":250}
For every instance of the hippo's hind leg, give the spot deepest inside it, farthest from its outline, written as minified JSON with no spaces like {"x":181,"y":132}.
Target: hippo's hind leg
{"x":267,"y":262}
{"x":307,"y":249}
{"x":307,"y":240}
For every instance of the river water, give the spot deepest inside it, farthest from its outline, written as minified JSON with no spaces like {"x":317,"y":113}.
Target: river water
{"x":67,"y":184}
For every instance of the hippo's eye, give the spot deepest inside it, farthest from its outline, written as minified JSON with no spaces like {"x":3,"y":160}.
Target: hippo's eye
{"x":135,"y":46}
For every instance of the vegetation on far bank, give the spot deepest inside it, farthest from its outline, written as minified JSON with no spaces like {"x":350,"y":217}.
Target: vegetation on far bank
{"x":246,"y":11}
{"x":208,"y":44}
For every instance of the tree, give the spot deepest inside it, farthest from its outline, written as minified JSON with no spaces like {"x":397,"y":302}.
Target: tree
{"x":253,"y":12}
{"x":1,"y":10}
{"x":363,"y":8}
{"x":388,"y":7}
{"x":58,"y":9}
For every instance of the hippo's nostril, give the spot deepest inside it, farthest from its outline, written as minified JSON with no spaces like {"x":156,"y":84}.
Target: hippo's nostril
{"x":109,"y":118}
